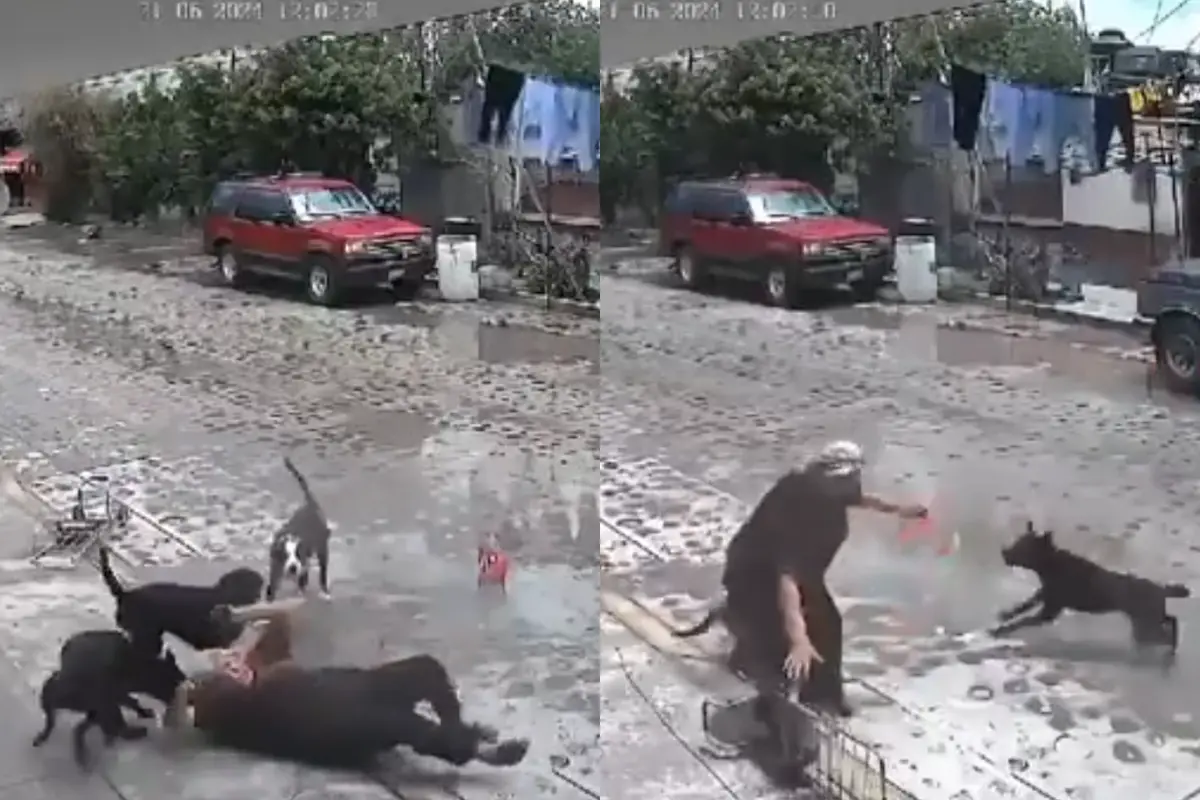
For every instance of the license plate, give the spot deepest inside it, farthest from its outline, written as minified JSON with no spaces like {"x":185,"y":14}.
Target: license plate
{"x":854,"y":275}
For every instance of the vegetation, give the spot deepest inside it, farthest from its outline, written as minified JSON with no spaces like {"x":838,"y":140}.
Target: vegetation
{"x":322,"y":104}
{"x":803,"y":107}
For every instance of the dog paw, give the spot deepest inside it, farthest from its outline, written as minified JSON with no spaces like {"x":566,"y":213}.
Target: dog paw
{"x":504,"y":754}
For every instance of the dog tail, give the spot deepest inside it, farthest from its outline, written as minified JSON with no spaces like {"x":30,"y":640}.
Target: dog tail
{"x":1177,"y":590}
{"x":110,"y":578}
{"x":702,"y":626}
{"x":300,"y":479}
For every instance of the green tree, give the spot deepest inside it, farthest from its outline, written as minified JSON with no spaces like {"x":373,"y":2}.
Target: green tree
{"x":1022,"y":40}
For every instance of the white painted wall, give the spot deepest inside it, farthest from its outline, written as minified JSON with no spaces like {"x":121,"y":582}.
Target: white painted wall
{"x":1107,"y":200}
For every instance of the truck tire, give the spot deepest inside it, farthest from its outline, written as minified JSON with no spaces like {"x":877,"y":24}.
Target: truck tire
{"x":780,"y":288}
{"x":321,"y":281}
{"x":1177,"y":353}
{"x":690,"y":270}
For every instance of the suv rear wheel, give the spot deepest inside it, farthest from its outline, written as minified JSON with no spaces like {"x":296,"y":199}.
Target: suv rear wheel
{"x":780,"y":288}
{"x":691,"y":272}
{"x":226,"y":264}
{"x":1177,"y":353}
{"x":321,"y":281}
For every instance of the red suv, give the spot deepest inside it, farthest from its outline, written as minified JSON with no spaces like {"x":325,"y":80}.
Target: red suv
{"x":782,"y":234}
{"x":322,"y":231}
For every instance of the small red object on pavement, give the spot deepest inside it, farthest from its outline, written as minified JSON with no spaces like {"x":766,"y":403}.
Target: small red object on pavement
{"x":493,"y":564}
{"x":918,"y":529}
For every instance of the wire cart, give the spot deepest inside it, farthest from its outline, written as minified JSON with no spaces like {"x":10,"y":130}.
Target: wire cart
{"x":94,"y":518}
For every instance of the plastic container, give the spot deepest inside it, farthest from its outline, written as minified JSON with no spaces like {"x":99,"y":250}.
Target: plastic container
{"x":916,"y":262}
{"x":458,"y":261}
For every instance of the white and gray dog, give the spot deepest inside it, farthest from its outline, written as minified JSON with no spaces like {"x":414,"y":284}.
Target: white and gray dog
{"x":303,"y":537}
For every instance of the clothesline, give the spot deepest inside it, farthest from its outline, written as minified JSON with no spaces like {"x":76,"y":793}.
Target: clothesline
{"x":539,"y":119}
{"x":1018,"y":122}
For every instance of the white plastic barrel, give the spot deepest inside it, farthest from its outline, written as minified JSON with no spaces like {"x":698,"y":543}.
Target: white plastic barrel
{"x":458,"y":267}
{"x":916,"y":264}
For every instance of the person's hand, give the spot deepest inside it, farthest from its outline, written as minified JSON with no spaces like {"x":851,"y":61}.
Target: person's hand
{"x":916,"y":511}
{"x":800,"y":660}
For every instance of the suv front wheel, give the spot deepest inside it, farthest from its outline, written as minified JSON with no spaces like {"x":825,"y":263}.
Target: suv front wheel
{"x":780,"y":288}
{"x":321,"y":281}
{"x":226,"y":264}
{"x":691,"y":271}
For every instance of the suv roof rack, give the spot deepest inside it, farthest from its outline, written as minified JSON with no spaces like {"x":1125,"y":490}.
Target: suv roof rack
{"x":282,"y":175}
{"x":743,"y":176}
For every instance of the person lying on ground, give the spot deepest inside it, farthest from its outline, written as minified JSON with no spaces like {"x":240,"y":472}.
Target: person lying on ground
{"x":260,"y":700}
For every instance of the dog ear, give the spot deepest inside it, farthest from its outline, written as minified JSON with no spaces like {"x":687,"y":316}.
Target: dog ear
{"x":1048,"y":537}
{"x":1029,"y":529}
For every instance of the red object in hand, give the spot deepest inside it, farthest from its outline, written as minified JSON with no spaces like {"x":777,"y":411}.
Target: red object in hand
{"x":493,"y":565}
{"x":922,"y":528}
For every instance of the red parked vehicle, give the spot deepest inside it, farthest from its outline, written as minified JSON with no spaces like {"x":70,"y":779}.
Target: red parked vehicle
{"x":321,"y":231}
{"x":782,"y":234}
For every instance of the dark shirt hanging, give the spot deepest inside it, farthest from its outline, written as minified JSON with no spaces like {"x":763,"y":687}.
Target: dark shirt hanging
{"x":967,"y":88}
{"x":501,"y":90}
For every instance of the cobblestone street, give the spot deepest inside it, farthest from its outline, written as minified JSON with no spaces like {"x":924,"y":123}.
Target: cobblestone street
{"x":420,"y":428}
{"x":989,"y":420}
{"x":423,"y":426}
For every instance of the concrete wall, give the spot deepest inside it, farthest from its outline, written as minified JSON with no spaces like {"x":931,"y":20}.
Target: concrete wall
{"x":1121,"y":200}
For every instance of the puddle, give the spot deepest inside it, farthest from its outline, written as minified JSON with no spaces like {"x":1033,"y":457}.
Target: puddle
{"x":404,"y":314}
{"x":388,"y":428}
{"x":510,"y":344}
{"x":873,"y":318}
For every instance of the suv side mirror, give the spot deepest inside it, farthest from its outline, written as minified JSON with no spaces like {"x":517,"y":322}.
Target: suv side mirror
{"x":283,"y":218}
{"x":742,"y":219}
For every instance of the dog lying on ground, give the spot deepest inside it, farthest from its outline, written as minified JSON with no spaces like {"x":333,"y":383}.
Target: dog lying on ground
{"x":345,"y":717}
{"x":302,"y":538}
{"x":149,"y":611}
{"x":98,"y":673}
{"x":1070,"y":581}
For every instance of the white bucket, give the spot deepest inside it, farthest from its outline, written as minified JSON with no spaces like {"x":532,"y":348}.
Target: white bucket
{"x":916,"y":269}
{"x":458,"y":267}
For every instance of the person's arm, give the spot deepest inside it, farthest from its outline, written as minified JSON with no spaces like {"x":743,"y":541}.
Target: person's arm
{"x":874,"y":503}
{"x":791,"y":606}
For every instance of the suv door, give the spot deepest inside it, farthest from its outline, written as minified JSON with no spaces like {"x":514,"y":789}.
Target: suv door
{"x":251,"y":240}
{"x":288,"y":240}
{"x":739,"y":238}
{"x":676,"y":228}
{"x":717,"y":238}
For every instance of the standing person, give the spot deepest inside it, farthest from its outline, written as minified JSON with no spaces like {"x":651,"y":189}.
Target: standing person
{"x":786,"y":624}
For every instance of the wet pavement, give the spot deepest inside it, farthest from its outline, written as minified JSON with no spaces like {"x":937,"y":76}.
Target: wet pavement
{"x":420,"y":427}
{"x":988,"y":419}
{"x":423,"y":425}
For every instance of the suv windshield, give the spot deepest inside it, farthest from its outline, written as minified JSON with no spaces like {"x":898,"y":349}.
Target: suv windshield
{"x":343,"y":201}
{"x":788,"y":204}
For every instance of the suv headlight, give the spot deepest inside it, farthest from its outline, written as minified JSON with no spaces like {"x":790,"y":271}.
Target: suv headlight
{"x":425,"y":240}
{"x":812,"y":249}
{"x":355,"y":247}
{"x":884,"y":242}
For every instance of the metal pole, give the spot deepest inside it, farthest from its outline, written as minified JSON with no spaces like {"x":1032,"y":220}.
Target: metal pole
{"x":1007,"y":220}
{"x":1151,"y":199}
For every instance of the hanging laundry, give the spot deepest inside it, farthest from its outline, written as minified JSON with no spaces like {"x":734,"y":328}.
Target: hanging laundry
{"x":501,"y":91}
{"x":537,"y":121}
{"x":937,"y":121}
{"x":1145,"y":99}
{"x":967,"y":87}
{"x":1071,"y":118}
{"x":1003,"y":116}
{"x":1113,"y":112}
{"x":580,"y":125}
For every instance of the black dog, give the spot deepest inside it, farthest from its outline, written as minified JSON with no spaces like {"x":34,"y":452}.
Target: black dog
{"x":1070,"y":581}
{"x":98,"y":673}
{"x":302,"y":538}
{"x":345,"y":717}
{"x":149,"y":611}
